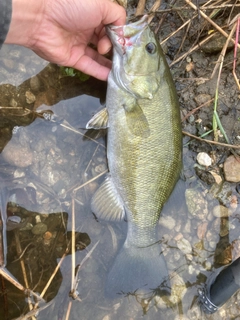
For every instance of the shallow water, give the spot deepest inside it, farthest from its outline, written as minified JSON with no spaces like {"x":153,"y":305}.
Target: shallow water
{"x":63,"y":170}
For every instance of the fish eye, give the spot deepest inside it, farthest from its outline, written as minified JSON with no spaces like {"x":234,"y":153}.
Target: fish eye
{"x":151,"y":47}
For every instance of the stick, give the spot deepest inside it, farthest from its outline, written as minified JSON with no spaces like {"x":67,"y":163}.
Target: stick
{"x":211,"y":142}
{"x":212,"y":23}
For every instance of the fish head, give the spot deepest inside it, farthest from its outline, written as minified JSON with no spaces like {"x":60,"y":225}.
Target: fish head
{"x":136,"y":58}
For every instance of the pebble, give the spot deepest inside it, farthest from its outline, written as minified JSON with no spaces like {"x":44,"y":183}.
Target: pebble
{"x":17,"y":155}
{"x":13,"y":103}
{"x":217,"y":177}
{"x":9,"y":63}
{"x":196,"y":203}
{"x":203,"y":159}
{"x":203,"y":98}
{"x":38,"y":219}
{"x":231,"y":169}
{"x":167,"y":222}
{"x":202,"y":229}
{"x":220,"y":212}
{"x":30,"y":97}
{"x":47,"y":235}
{"x":39,"y":228}
{"x":35,"y":83}
{"x":184,"y":245}
{"x":178,"y":289}
{"x":221,"y":226}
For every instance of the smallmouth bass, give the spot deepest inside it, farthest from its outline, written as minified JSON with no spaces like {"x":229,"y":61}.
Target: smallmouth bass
{"x":144,"y":151}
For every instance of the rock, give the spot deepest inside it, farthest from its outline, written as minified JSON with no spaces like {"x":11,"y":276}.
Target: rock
{"x":35,"y":83}
{"x":9,"y":63}
{"x":184,"y":245}
{"x":204,"y":175}
{"x":39,"y":228}
{"x":17,"y":155}
{"x":203,"y":98}
{"x":221,"y":212}
{"x":167,"y":222}
{"x":217,"y":177}
{"x":13,"y":103}
{"x":178,"y":289}
{"x":202,"y":229}
{"x":221,"y":226}
{"x":203,"y":159}
{"x":231,"y":169}
{"x":196,"y":204}
{"x":215,"y":44}
{"x":30,"y":97}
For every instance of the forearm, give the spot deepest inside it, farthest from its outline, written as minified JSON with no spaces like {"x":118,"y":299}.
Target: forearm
{"x":5,"y":18}
{"x":26,"y":16}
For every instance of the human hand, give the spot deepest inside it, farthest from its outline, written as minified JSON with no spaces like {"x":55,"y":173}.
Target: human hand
{"x":60,"y":31}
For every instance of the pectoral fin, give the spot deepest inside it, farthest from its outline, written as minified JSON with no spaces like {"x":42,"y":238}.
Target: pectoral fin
{"x":106,"y":203}
{"x":99,"y":120}
{"x":136,"y":120}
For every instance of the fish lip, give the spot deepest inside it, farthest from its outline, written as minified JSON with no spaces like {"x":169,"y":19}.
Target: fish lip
{"x":118,"y":34}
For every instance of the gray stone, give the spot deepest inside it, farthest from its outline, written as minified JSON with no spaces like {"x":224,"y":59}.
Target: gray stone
{"x":232,"y":169}
{"x":17,"y":155}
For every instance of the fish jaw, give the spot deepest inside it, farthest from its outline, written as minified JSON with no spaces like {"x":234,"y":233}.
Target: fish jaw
{"x":130,"y":46}
{"x":126,"y":36}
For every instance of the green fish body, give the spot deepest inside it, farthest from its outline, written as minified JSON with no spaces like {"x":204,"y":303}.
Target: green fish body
{"x":144,"y":151}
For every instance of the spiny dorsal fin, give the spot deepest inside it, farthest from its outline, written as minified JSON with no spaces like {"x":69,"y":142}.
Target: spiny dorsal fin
{"x":106,"y":203}
{"x":99,"y":120}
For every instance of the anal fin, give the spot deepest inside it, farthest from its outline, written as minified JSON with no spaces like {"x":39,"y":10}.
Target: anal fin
{"x":106,"y":203}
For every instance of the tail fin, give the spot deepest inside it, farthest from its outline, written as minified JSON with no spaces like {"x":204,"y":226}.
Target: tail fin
{"x":135,"y":268}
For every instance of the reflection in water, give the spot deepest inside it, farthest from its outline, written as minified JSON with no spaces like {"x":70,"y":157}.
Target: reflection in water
{"x":35,"y":243}
{"x":40,"y":155}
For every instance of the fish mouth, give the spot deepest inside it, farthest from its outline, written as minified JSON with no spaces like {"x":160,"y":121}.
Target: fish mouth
{"x":128,"y":35}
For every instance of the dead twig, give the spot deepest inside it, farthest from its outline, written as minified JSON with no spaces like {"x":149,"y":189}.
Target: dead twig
{"x":195,"y":109}
{"x":222,"y":6}
{"x":19,"y":252}
{"x":192,"y":49}
{"x":237,"y":27}
{"x":89,"y":181}
{"x":211,"y":22}
{"x":140,"y":8}
{"x":211,"y":142}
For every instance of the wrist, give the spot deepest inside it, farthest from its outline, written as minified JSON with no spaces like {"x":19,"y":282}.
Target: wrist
{"x":26,"y":18}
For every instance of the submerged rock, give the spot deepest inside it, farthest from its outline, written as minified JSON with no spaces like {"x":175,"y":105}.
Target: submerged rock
{"x":232,"y":169}
{"x":17,"y":155}
{"x":221,"y":212}
{"x":196,"y":203}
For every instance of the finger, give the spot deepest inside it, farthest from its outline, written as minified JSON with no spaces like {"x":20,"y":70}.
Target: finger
{"x":93,"y":68}
{"x":104,"y":45}
{"x":112,"y":13}
{"x":94,"y":64}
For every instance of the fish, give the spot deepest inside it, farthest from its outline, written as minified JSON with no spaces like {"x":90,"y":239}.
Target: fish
{"x":144,"y":154}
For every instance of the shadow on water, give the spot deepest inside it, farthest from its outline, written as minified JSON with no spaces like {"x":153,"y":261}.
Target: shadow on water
{"x":49,"y":170}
